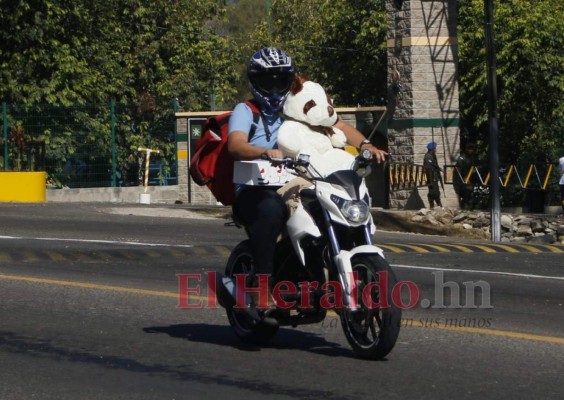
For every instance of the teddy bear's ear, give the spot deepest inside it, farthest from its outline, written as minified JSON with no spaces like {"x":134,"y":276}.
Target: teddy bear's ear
{"x":298,"y":83}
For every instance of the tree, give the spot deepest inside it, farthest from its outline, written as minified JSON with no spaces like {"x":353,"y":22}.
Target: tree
{"x":530,"y":72}
{"x":340,"y":44}
{"x":69,"y":52}
{"x":244,"y":26}
{"x":143,"y":55}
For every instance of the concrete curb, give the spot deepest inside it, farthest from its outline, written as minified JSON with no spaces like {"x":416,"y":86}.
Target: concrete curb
{"x":385,"y":220}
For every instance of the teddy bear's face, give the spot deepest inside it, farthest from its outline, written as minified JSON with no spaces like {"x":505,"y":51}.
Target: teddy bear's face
{"x":308,"y":102}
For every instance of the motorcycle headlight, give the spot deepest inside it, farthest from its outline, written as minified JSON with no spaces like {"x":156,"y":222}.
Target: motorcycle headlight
{"x":355,"y":211}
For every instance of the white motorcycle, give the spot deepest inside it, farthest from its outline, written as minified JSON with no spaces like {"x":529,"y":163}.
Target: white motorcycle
{"x":324,"y":262}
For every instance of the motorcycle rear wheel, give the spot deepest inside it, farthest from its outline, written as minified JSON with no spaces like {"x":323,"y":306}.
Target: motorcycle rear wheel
{"x":372,"y":330}
{"x":246,"y":328}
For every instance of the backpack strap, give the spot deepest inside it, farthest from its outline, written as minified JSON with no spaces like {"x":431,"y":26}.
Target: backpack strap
{"x":256,"y":115}
{"x":253,"y":103}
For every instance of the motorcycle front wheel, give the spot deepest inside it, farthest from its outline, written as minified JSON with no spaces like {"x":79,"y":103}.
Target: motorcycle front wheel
{"x":373,"y":328}
{"x":246,"y":328}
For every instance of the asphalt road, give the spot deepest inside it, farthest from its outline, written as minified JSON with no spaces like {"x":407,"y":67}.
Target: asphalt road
{"x":88,"y":310}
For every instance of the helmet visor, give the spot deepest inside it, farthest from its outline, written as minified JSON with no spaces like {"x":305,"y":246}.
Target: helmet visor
{"x":269,"y":84}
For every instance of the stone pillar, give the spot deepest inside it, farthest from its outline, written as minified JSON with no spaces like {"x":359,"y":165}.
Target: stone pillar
{"x":182,"y":157}
{"x":188,"y":129}
{"x":423,"y":82}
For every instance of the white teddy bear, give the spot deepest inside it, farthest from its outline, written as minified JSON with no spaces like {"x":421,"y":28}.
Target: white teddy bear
{"x":308,"y":128}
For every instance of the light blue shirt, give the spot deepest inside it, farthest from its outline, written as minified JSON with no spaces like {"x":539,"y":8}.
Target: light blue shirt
{"x":242,"y":119}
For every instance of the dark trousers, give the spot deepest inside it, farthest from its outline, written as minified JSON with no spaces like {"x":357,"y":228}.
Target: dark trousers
{"x":264,"y":214}
{"x":465,"y":193}
{"x":434,"y":195}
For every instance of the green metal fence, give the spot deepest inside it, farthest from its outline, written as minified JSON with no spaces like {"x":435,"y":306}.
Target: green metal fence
{"x":94,"y":145}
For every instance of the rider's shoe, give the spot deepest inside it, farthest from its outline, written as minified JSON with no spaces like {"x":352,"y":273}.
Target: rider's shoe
{"x":227,"y":295}
{"x":258,"y":301}
{"x":263,"y":308}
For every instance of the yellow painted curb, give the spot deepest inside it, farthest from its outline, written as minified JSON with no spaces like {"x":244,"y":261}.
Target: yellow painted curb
{"x":26,"y":187}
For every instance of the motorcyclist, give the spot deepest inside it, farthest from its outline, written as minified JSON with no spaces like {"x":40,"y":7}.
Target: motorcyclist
{"x":270,"y":73}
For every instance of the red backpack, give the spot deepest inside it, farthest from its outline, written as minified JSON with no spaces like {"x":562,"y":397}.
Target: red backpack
{"x":212,"y":165}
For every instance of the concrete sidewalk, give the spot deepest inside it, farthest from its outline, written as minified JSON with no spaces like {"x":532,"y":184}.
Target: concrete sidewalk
{"x":472,"y":224}
{"x":386,"y":220}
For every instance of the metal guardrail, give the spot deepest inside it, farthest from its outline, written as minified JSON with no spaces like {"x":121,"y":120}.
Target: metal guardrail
{"x":532,"y":176}
{"x":406,"y":176}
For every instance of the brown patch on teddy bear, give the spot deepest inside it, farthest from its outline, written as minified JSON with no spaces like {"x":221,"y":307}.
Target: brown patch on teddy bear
{"x":296,"y":87}
{"x":298,"y":83}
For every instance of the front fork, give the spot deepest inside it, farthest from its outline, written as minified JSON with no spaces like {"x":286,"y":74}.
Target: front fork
{"x":342,"y":259}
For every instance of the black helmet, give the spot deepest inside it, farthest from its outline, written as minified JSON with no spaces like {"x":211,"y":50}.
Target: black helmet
{"x":270,"y":73}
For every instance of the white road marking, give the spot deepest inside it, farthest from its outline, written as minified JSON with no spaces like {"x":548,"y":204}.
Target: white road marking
{"x":473,"y":271}
{"x":117,"y":242}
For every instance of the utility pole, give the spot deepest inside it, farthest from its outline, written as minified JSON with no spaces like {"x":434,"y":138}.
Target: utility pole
{"x":493,"y":122}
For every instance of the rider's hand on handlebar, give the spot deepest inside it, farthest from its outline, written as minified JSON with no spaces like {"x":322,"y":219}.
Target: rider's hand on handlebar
{"x":272,"y":154}
{"x":378,"y":155}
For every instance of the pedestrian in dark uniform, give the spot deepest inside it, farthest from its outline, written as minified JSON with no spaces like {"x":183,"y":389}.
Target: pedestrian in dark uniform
{"x":433,"y":174}
{"x":561,"y":182}
{"x":462,"y":182}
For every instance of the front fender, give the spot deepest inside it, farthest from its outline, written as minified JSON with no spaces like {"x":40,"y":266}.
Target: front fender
{"x":367,"y":249}
{"x":344,"y":266}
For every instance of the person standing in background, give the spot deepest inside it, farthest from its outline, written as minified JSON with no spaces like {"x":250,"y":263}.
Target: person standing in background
{"x":561,"y":166}
{"x":433,"y":173}
{"x":464,"y":189}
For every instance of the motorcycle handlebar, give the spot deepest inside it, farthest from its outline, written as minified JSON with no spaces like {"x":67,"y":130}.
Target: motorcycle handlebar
{"x":288,"y":162}
{"x":365,"y":155}
{"x":363,"y":159}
